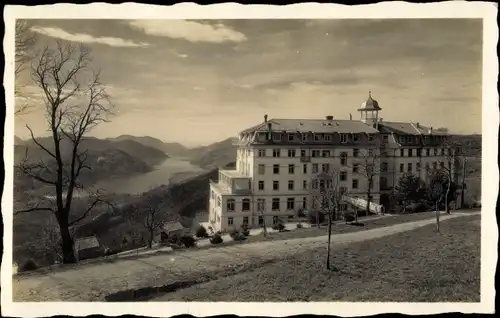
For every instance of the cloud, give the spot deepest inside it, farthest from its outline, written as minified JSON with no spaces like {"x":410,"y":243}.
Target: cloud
{"x":86,"y":38}
{"x":183,"y":56}
{"x":191,"y":31}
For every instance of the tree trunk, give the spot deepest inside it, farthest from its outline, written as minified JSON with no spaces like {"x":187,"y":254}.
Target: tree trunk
{"x":329,"y":240}
{"x":462,"y":198}
{"x":404,"y":206}
{"x":447,"y":204}
{"x":317,"y":219}
{"x":66,"y":243}
{"x":264,"y":231}
{"x":150,"y":239}
{"x":437,"y":217}
{"x":369,"y":199}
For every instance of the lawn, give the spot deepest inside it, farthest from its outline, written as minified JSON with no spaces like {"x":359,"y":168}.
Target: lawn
{"x":415,"y":266}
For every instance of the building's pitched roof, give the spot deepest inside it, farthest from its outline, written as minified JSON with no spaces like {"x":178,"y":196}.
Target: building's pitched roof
{"x":172,"y":226}
{"x":86,"y":243}
{"x":407,"y":128}
{"x":315,"y":126}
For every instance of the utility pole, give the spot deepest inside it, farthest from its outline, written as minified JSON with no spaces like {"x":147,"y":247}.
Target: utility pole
{"x":462,"y":199}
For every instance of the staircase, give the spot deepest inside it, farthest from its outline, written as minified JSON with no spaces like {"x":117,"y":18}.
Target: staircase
{"x":361,"y":204}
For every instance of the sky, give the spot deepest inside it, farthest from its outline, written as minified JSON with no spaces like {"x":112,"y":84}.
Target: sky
{"x":201,"y":81}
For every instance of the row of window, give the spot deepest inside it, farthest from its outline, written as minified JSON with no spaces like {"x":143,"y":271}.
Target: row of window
{"x":325,"y":168}
{"x":276,"y":219}
{"x":318,"y":137}
{"x":315,"y":153}
{"x":315,"y":184}
{"x":409,"y":167}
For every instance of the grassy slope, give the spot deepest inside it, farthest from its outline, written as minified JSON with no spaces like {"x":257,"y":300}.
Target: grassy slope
{"x":419,"y":265}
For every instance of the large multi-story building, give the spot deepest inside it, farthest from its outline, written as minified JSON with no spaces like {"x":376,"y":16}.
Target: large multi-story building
{"x":278,"y":161}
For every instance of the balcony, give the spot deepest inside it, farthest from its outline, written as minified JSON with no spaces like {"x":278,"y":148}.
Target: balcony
{"x":305,"y":159}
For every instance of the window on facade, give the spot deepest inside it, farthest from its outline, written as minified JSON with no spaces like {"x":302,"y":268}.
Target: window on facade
{"x":261,"y":220}
{"x":325,"y":153}
{"x":304,"y":168}
{"x":276,"y":185}
{"x":370,"y":137}
{"x":354,"y":183}
{"x":291,"y":153}
{"x":417,"y":166}
{"x":314,"y":184}
{"x":262,"y":153}
{"x":276,"y":219}
{"x":355,"y":152}
{"x":245,"y":220}
{"x":245,"y":205}
{"x":302,"y":153}
{"x":290,"y":185}
{"x":261,"y":205}
{"x":276,"y":169}
{"x":290,"y":137}
{"x":401,"y":167}
{"x":322,"y":184}
{"x":410,"y":152}
{"x":419,"y":152}
{"x":355,"y":137}
{"x":304,"y":137}
{"x":304,"y":185}
{"x":290,"y":203}
{"x":410,"y":139}
{"x":219,"y":201}
{"x":315,"y":168}
{"x":276,"y":204}
{"x":329,"y":183}
{"x":343,"y":138}
{"x":435,"y":152}
{"x":328,"y":137}
{"x":277,"y":136}
{"x":410,"y":167}
{"x":401,"y":139}
{"x":317,"y":137}
{"x":385,"y":138}
{"x":261,"y":185}
{"x":304,"y":202}
{"x":262,"y":169}
{"x":230,"y":204}
{"x":291,"y":169}
{"x":384,"y":167}
{"x":325,"y":168}
{"x":276,"y":153}
{"x":355,"y":168}
{"x":401,"y":152}
{"x":230,"y":221}
{"x":343,"y":158}
{"x":427,"y":152}
{"x":343,"y":175}
{"x":314,"y":202}
{"x":383,"y":182}
{"x":315,"y":153}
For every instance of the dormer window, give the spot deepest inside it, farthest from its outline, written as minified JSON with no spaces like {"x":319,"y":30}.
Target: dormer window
{"x":343,"y":138}
{"x":277,"y":137}
{"x":317,"y":137}
{"x":401,"y":139}
{"x":355,"y":137}
{"x":290,"y":137}
{"x":328,"y":137}
{"x":410,"y":139}
{"x":304,"y":137}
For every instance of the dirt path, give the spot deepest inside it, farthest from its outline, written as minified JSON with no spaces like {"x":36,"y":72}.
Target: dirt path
{"x":93,"y":282}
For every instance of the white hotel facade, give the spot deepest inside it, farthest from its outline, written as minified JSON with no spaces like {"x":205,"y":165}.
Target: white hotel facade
{"x":277,"y":162}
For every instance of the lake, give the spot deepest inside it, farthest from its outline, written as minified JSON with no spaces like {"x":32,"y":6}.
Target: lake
{"x":140,"y":183}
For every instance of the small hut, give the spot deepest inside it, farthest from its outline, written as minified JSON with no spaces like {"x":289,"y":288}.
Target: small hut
{"x":87,"y":247}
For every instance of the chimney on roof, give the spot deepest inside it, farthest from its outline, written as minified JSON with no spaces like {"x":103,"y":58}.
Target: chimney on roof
{"x":430,"y":130}
{"x":329,"y":117}
{"x":418,"y":125}
{"x":269,"y":131}
{"x":350,"y":116}
{"x":265,"y":118}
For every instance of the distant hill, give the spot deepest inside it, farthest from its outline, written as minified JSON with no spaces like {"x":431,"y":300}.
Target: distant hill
{"x":106,"y":158}
{"x":171,"y":149}
{"x":471,"y":145}
{"x":214,"y":155}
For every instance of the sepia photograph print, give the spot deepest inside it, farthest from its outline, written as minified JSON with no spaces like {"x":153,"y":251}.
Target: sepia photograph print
{"x":304,"y":159}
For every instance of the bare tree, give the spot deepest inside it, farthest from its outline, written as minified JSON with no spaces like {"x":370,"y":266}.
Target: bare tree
{"x":448,"y":166}
{"x":151,"y":214}
{"x":24,"y":44}
{"x":367,"y":163}
{"x":75,"y":102}
{"x":261,"y":208}
{"x":437,"y":191}
{"x":326,"y":195}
